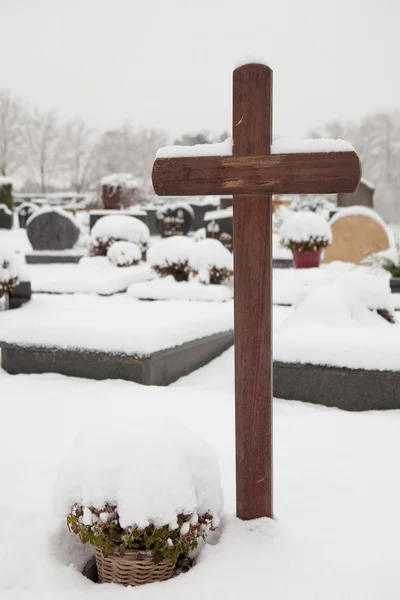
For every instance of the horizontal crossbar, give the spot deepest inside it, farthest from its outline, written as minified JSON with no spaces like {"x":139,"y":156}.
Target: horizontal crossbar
{"x":303,"y":173}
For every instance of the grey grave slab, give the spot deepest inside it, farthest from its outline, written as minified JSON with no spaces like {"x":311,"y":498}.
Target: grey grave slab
{"x":160,"y":368}
{"x":348,"y":389}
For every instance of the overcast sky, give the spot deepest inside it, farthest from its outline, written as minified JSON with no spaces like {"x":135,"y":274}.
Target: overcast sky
{"x":168,"y":63}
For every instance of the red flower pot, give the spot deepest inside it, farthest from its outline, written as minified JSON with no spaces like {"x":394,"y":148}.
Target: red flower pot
{"x":307,"y":260}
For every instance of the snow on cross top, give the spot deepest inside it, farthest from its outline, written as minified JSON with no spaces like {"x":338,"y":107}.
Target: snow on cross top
{"x":284,"y":145}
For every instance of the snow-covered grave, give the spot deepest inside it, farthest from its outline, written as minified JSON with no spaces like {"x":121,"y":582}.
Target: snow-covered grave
{"x":334,"y":473}
{"x":115,"y":337}
{"x":340,"y":346}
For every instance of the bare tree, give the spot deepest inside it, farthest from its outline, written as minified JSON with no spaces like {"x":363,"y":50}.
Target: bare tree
{"x":12,"y":124}
{"x":78,"y":142}
{"x":45,"y":147}
{"x":126,"y":150}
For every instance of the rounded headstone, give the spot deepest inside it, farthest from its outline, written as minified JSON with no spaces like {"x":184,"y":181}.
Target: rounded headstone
{"x":52,"y":230}
{"x":356,"y":236}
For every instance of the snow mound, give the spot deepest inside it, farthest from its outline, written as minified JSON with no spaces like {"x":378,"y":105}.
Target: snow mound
{"x":124,"y":254}
{"x":302,"y":226}
{"x":211,"y":253}
{"x":348,"y":301}
{"x":121,"y":180}
{"x":167,"y":288}
{"x":152,"y":471}
{"x":121,"y":227}
{"x":176,"y":249}
{"x":200,"y":234}
{"x":5,"y":180}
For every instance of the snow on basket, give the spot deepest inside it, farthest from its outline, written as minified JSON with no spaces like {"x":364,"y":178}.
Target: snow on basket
{"x":212,"y":261}
{"x":124,"y":254}
{"x":172,"y":256}
{"x":115,"y":228}
{"x":141,"y":510}
{"x":305,"y":234}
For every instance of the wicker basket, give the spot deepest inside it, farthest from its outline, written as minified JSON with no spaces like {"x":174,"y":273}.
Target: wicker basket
{"x":134,"y":567}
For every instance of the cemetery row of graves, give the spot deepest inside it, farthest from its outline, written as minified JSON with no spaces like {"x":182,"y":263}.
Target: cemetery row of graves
{"x":117,"y":328}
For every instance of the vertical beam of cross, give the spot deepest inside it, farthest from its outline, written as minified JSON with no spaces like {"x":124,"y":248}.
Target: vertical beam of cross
{"x":252,"y":214}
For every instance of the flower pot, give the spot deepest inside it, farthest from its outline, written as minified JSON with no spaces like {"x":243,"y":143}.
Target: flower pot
{"x":307,"y":260}
{"x":395,"y":285}
{"x":133,"y":567}
{"x":181,"y":276}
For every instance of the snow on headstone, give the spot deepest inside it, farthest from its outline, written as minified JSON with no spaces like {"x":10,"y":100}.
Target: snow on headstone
{"x":151,"y":474}
{"x":357,"y":231}
{"x":118,"y":190}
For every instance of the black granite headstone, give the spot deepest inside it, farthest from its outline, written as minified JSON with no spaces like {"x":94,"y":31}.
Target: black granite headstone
{"x":221,"y":228}
{"x":52,"y":230}
{"x":199,"y":211}
{"x":175,"y":220}
{"x":6,"y":217}
{"x":25,"y":211}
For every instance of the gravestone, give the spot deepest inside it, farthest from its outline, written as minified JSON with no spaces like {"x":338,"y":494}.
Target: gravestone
{"x":363,"y":196}
{"x":200,"y":209}
{"x":356,"y":236}
{"x":176,"y":219}
{"x":6,"y":217}
{"x":226,"y":201}
{"x":52,"y":230}
{"x":25,"y":211}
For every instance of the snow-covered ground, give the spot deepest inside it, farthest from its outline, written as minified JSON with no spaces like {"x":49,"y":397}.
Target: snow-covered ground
{"x":336,"y":528}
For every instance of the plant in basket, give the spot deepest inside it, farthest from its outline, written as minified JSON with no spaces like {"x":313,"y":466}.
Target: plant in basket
{"x":172,"y":257}
{"x":212,"y":262}
{"x":136,"y":555}
{"x":389,"y":261}
{"x":144,"y":494}
{"x":306,"y":234}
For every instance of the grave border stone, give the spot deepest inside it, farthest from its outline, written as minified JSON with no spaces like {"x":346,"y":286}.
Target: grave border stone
{"x":159,"y":368}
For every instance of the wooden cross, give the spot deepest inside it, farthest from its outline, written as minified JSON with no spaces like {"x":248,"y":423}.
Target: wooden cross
{"x":252,"y":174}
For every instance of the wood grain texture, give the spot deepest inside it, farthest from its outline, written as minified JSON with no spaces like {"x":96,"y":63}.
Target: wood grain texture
{"x":252,"y":135}
{"x":305,"y":173}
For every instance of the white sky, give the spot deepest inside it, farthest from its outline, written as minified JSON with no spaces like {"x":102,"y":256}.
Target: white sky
{"x":168,"y":63}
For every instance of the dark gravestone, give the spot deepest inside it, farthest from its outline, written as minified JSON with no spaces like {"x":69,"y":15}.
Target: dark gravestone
{"x":175,"y":220}
{"x":21,"y":293}
{"x":226,"y":201}
{"x":25,"y":211}
{"x":6,"y":217}
{"x":363,"y":196}
{"x":52,"y":230}
{"x":199,"y":211}
{"x":152,"y":221}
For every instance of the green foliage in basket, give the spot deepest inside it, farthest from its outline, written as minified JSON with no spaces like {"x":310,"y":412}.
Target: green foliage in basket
{"x":105,"y":532}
